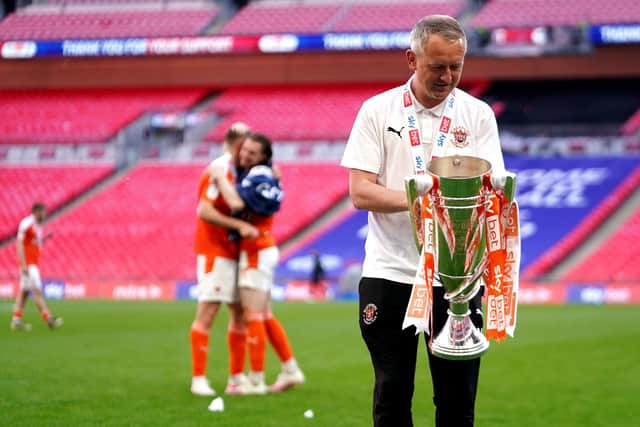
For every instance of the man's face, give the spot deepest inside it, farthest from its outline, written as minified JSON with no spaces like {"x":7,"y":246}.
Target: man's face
{"x":40,"y":215}
{"x":437,"y":67}
{"x":234,"y":148}
{"x":250,"y":154}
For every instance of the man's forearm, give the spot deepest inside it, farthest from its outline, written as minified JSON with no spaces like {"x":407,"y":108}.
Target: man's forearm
{"x":376,"y":198}
{"x":230,"y":195}
{"x":21,"y":257}
{"x":211,"y":215}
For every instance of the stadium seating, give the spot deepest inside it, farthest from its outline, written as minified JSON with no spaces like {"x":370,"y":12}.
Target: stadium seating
{"x":396,"y":16}
{"x":81,"y":116}
{"x":291,"y":113}
{"x":600,"y":104}
{"x":141,"y":227}
{"x":261,"y":18}
{"x":74,"y":23}
{"x":52,"y":185}
{"x":616,"y":259}
{"x":531,"y":13}
{"x":316,"y":17}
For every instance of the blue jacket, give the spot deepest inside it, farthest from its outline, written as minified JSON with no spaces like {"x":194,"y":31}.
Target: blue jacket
{"x":261,"y":191}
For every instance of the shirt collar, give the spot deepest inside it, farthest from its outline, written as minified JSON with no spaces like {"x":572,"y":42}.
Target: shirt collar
{"x":434,"y":111}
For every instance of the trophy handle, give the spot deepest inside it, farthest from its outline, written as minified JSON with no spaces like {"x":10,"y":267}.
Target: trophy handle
{"x":416,"y":186}
{"x":506,"y":183}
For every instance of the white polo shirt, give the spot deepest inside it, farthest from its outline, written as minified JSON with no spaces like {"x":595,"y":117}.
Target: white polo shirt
{"x":390,"y":250}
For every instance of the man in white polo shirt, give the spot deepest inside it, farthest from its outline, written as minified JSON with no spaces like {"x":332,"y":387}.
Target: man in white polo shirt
{"x":428,"y":112}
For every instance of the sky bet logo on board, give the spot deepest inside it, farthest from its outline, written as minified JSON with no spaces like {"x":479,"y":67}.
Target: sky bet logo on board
{"x":414,"y":138}
{"x":441,"y":139}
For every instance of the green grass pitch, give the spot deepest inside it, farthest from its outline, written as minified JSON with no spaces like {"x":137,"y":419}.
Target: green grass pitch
{"x":128,"y":364}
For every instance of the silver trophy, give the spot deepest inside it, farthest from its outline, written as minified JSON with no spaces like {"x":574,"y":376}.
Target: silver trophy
{"x":459,"y":188}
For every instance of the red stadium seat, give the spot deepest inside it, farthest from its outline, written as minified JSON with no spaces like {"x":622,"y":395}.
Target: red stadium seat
{"x":312,"y":113}
{"x":142,"y":226}
{"x":608,"y":263}
{"x":265,"y":18}
{"x":393,"y":16}
{"x":52,"y":185}
{"x":81,"y":116}
{"x":532,"y":13}
{"x":71,"y":24}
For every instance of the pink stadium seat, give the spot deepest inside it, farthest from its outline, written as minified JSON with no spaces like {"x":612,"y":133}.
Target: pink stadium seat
{"x":81,"y":116}
{"x":609,"y":262}
{"x":261,"y":18}
{"x":293,"y":113}
{"x":105,"y":24}
{"x":531,"y":13}
{"x":142,"y":226}
{"x":310,"y":190}
{"x":393,"y":16}
{"x":52,"y":185}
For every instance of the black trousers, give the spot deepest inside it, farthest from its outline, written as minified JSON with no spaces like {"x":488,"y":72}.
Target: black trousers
{"x":393,"y":352}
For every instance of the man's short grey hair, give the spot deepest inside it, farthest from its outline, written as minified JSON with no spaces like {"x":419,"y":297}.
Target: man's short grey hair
{"x":447,"y":27}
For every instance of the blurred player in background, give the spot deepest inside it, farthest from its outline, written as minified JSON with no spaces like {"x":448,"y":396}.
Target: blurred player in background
{"x":216,"y":266}
{"x":28,"y":244}
{"x":257,"y":196}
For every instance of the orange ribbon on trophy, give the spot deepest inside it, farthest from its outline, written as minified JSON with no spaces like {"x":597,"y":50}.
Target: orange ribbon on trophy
{"x":498,"y":213}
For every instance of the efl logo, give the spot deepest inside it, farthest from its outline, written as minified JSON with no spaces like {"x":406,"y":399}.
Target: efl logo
{"x":493,"y":233}
{"x":445,"y":124}
{"x":414,"y":137}
{"x":406,"y":99}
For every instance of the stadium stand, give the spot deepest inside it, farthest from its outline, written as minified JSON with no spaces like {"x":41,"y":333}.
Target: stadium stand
{"x":103,"y":20}
{"x":81,"y":116}
{"x":290,"y":113}
{"x":632,"y":125}
{"x":273,"y":17}
{"x":396,"y":16}
{"x":316,"y":17}
{"x":142,"y":225}
{"x":531,"y":13}
{"x":615,"y":260}
{"x":581,"y":232}
{"x":52,"y":185}
{"x":565,"y":107}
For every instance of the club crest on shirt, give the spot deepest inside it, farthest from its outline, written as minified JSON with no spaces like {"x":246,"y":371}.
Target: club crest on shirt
{"x":460,"y":137}
{"x":369,"y":314}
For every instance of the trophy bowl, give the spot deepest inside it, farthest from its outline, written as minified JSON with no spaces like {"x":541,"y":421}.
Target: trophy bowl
{"x":458,"y":210}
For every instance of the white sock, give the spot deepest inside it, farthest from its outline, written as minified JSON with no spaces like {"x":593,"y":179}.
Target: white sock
{"x":256,"y":377}
{"x":290,"y":365}
{"x":235,"y":379}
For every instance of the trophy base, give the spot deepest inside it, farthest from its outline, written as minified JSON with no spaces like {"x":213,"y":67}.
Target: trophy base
{"x":459,"y":339}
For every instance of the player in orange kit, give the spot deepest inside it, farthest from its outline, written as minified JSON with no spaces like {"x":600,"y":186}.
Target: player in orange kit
{"x":258,"y":195}
{"x":28,"y":243}
{"x":216,"y":268}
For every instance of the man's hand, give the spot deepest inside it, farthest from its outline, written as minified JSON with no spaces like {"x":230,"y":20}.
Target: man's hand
{"x":277,"y":172}
{"x":24,"y":271}
{"x":248,"y":231}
